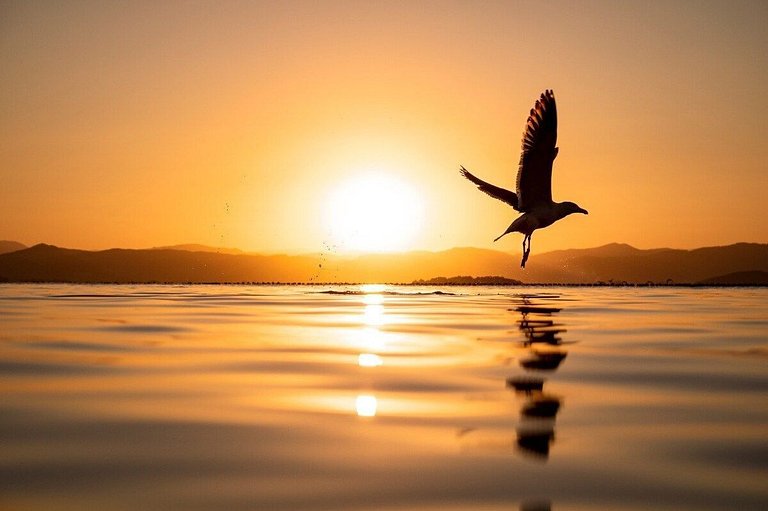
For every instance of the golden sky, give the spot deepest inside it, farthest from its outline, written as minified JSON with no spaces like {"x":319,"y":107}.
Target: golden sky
{"x":241,"y":124}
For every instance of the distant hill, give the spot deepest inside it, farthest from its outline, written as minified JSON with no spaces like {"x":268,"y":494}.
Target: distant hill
{"x":657,"y":265}
{"x":10,"y":246}
{"x":47,"y":263}
{"x":739,"y":278}
{"x":614,"y":263}
{"x":196,"y":247}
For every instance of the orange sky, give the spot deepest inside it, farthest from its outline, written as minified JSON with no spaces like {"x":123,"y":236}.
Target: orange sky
{"x":233,"y":123}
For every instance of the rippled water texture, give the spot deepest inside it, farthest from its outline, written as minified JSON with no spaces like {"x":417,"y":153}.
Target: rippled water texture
{"x":240,"y":398}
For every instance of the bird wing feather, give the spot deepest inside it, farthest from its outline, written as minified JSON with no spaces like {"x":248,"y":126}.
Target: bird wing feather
{"x":534,"y":175}
{"x":494,"y":191}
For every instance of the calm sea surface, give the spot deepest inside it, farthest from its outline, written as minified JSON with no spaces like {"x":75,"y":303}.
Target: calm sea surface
{"x":379,"y":398}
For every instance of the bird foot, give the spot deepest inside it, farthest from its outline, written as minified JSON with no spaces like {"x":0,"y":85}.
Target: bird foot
{"x":525,"y":258}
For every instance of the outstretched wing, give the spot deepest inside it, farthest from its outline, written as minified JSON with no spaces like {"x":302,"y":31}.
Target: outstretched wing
{"x":534,"y":176}
{"x":494,"y":191}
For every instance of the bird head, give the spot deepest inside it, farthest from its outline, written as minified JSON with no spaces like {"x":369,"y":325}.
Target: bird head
{"x":566,"y":208}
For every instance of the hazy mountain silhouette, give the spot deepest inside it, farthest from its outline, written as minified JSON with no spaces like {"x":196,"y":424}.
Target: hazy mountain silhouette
{"x":610,"y":263}
{"x":196,"y":247}
{"x":624,"y":263}
{"x":10,"y":246}
{"x":42,"y":263}
{"x":739,"y":278}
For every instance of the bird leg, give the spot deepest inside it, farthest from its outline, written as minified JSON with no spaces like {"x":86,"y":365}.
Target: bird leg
{"x":526,"y":249}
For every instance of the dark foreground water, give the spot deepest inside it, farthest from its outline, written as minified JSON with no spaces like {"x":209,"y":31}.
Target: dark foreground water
{"x":241,"y":398}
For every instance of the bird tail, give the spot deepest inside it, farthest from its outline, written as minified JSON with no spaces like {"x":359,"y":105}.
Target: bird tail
{"x":521,"y":224}
{"x":504,"y":234}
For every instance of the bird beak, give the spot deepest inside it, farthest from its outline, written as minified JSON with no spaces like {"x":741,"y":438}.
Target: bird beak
{"x":583,"y":211}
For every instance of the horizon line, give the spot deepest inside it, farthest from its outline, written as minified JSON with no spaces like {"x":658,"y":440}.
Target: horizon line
{"x":238,"y":251}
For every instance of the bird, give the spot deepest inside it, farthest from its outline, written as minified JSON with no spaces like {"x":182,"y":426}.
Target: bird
{"x":533,"y":195}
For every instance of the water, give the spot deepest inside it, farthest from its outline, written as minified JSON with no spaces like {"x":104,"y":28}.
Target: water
{"x":228,"y":397}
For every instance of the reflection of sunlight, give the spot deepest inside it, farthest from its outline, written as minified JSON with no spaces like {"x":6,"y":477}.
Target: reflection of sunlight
{"x":365,"y":406}
{"x":372,"y":339}
{"x":369,"y":360}
{"x":367,"y":339}
{"x":395,"y":404}
{"x":373,"y":288}
{"x":373,"y":315}
{"x":373,"y":299}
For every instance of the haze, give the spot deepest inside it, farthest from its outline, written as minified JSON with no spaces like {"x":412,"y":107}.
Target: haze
{"x":236,"y":124}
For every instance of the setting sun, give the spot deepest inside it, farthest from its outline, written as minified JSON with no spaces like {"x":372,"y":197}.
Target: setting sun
{"x":374,"y":212}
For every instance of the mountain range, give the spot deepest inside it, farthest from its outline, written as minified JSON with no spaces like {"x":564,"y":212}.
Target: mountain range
{"x":738,"y":264}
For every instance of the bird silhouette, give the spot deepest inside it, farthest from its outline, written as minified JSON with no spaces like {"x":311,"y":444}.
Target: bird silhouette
{"x":534,"y":176}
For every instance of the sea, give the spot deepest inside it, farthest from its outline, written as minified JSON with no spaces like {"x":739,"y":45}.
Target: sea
{"x":217,"y":397}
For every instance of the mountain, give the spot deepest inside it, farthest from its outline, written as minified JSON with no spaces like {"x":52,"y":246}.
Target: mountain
{"x":10,"y":246}
{"x":739,"y":278}
{"x":614,"y":263}
{"x":657,"y":265}
{"x":196,"y":247}
{"x":47,"y":263}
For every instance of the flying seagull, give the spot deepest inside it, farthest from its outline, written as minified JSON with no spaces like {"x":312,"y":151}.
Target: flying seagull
{"x":534,"y":176}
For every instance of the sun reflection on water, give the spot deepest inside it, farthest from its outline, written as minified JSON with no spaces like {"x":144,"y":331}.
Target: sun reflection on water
{"x":370,"y":339}
{"x":373,"y":288}
{"x":369,"y":360}
{"x":373,"y":318}
{"x":365,"y":405}
{"x":374,"y":315}
{"x":373,"y":299}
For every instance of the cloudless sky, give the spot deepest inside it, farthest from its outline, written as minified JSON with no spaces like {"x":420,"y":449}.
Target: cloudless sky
{"x":138,"y":124}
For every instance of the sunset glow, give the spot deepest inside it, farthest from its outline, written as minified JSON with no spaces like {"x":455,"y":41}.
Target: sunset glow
{"x":301,"y":127}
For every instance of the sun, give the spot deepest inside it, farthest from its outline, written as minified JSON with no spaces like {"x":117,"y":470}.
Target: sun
{"x":374,"y":212}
